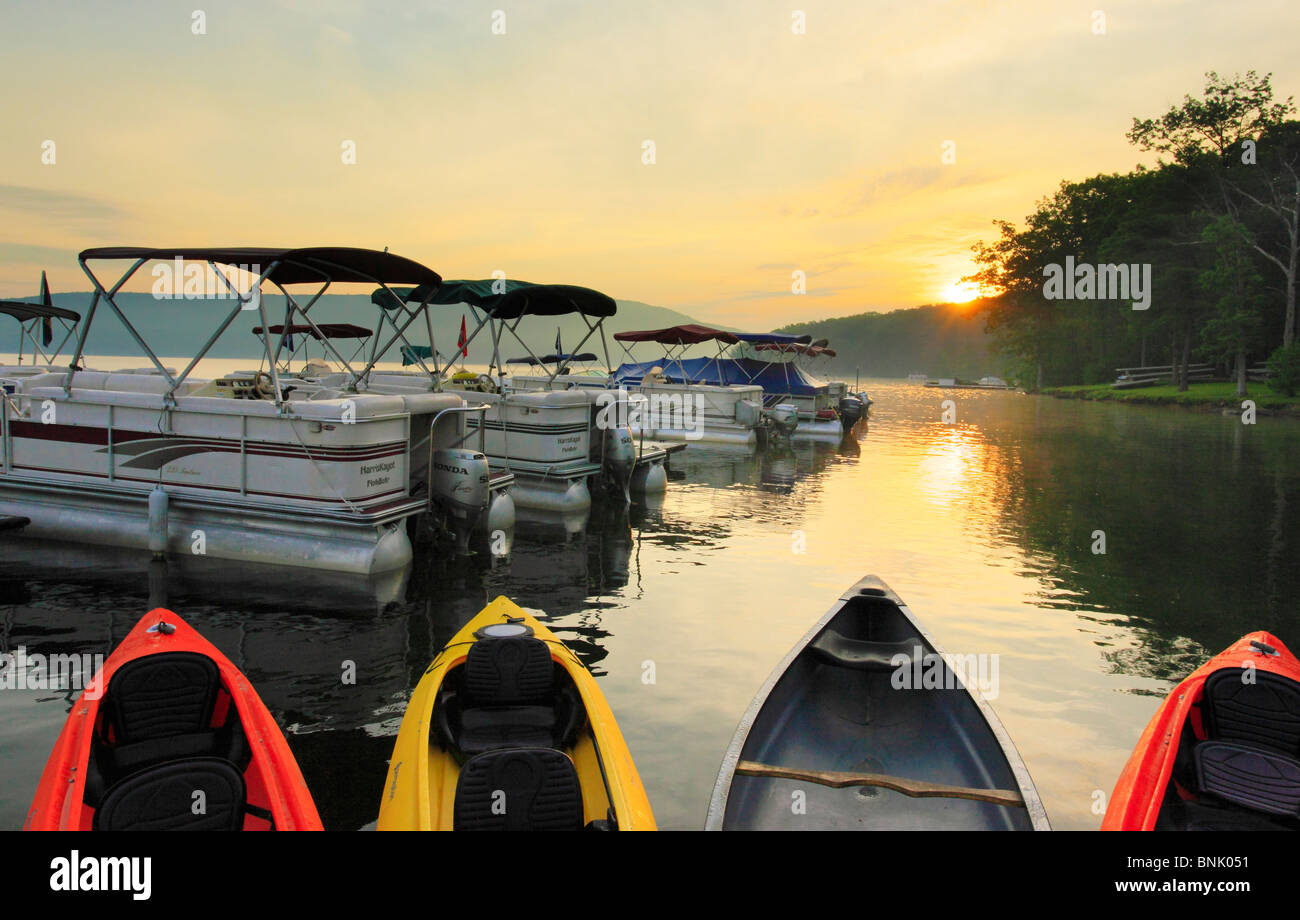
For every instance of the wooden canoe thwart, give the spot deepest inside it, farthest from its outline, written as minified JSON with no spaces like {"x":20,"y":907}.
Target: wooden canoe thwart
{"x":833,"y":742}
{"x":917,"y":789}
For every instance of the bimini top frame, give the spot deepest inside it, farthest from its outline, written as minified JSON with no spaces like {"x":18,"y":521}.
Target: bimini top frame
{"x":500,"y":305}
{"x":282,"y":267}
{"x":42,"y":315}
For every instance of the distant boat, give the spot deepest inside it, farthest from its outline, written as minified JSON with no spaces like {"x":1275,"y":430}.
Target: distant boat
{"x":917,"y":378}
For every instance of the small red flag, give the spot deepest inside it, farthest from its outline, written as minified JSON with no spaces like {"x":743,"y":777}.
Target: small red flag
{"x":463,"y":340}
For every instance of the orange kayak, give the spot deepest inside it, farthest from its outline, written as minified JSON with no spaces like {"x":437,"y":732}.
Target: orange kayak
{"x":1223,"y":750}
{"x":169,"y":735}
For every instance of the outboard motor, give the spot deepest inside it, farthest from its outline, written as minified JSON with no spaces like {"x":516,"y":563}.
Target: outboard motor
{"x":850,"y":411}
{"x":783,"y":419}
{"x":620,"y":458}
{"x":460,"y":487}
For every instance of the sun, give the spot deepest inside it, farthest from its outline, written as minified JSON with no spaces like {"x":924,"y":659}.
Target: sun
{"x":961,"y":292}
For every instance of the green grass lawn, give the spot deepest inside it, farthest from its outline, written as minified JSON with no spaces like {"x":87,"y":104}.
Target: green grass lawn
{"x":1202,"y":395}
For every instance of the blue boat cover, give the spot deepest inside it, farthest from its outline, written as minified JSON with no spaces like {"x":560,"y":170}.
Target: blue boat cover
{"x":783,"y":378}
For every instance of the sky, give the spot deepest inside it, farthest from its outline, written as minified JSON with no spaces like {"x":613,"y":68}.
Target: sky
{"x":524,"y":150}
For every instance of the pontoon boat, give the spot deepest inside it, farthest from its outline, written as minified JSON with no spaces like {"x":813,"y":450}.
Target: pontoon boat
{"x":556,"y":433}
{"x":262,"y":466}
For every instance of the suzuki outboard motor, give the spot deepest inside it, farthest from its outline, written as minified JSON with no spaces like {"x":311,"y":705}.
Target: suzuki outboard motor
{"x":460,"y":488}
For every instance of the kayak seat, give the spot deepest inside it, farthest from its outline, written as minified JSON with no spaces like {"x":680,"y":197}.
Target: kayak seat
{"x":524,"y":789}
{"x":159,"y":696}
{"x":1265,"y":713}
{"x":162,"y":798}
{"x":160,"y":709}
{"x":1250,"y":776}
{"x":508,"y":697}
{"x":837,"y":649}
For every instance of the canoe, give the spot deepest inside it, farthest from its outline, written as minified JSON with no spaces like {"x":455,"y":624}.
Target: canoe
{"x":865,"y":725}
{"x":1223,"y":750}
{"x":507,"y":730}
{"x":169,"y":735}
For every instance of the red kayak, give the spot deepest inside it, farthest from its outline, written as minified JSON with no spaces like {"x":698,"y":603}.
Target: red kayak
{"x":1223,"y":751}
{"x":171,"y":736}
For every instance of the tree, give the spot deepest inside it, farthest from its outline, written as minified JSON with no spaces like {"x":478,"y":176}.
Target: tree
{"x":1233,"y":283}
{"x":1239,"y":135}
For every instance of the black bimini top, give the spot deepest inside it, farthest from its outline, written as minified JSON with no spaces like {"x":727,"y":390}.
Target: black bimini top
{"x":23,"y":311}
{"x":518,"y":298}
{"x":328,"y":330}
{"x":293,"y":266}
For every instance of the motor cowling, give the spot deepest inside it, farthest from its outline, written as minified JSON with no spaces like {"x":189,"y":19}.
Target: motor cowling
{"x":850,"y":410}
{"x":783,"y":418}
{"x":620,"y":457}
{"x":460,"y":486}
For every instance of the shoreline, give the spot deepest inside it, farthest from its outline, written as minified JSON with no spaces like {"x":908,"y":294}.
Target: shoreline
{"x":1216,"y":397}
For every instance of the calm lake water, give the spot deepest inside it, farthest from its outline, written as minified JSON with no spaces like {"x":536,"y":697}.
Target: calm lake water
{"x":985,"y":527}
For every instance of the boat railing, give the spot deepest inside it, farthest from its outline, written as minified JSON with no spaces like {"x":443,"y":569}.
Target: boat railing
{"x":482,"y":429}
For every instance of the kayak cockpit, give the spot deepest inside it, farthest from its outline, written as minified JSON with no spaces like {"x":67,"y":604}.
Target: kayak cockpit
{"x":510,"y":719}
{"x":169,"y":752}
{"x":1238,"y":767}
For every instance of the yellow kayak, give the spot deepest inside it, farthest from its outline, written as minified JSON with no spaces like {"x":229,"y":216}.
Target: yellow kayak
{"x":507,"y":730}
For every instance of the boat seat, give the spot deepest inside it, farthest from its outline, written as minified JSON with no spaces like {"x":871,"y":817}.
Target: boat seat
{"x":162,"y":798}
{"x":1249,"y":776}
{"x":859,"y":654}
{"x":160,"y":708}
{"x":508,"y":699}
{"x":525,"y":789}
{"x":1264,"y":713}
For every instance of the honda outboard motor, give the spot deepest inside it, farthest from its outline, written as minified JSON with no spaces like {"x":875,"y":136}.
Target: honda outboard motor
{"x":460,"y":487}
{"x":850,"y":411}
{"x":620,"y":458}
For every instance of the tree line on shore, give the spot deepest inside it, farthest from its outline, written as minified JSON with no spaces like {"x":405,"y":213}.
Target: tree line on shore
{"x":1212,"y":232}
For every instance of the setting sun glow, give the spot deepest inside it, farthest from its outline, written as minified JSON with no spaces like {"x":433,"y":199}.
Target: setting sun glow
{"x":961,"y":292}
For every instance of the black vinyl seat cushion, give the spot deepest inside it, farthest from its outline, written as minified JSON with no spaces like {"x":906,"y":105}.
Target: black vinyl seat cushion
{"x":1247,"y":771}
{"x":1264,"y":712}
{"x":160,"y":696}
{"x":508,"y":699}
{"x":160,"y":708}
{"x":162,"y":798}
{"x":524,"y":789}
{"x":1250,"y":776}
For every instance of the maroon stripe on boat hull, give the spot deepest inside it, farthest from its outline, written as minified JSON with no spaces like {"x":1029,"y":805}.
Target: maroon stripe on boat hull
{"x":84,"y":434}
{"x":231,"y":489}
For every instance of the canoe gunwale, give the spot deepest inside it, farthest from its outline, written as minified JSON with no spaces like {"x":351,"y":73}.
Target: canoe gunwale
{"x":722,"y":788}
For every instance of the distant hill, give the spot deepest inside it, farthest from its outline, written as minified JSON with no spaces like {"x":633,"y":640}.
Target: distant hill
{"x":178,"y":328}
{"x":942,"y":340}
